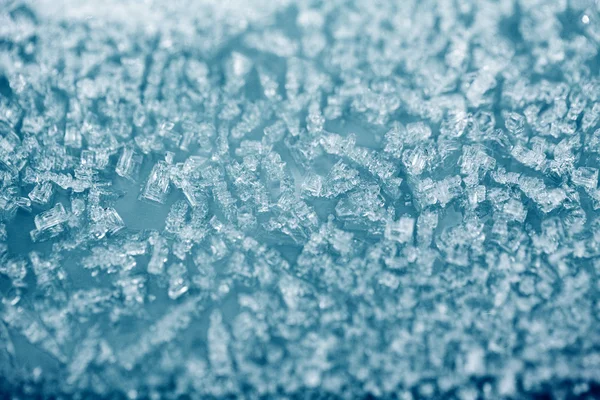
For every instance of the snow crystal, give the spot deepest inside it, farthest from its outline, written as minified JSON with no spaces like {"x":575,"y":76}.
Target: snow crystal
{"x":288,"y":199}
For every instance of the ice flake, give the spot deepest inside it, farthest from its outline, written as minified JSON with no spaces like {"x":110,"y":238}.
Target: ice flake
{"x":313,"y":185}
{"x":547,"y":199}
{"x":362,"y":207}
{"x":41,"y":193}
{"x":426,"y":225}
{"x":357,"y":199}
{"x":32,"y":330}
{"x":585,"y":177}
{"x":528,"y":157}
{"x":163,"y":331}
{"x":429,"y":192}
{"x":158,"y":184}
{"x":515,"y":210}
{"x":160,"y":253}
{"x":340,"y":179}
{"x":514,"y":122}
{"x":49,"y":223}
{"x":129,"y":164}
{"x":178,"y":283}
{"x":401,"y":230}
{"x":218,"y":341}
{"x":483,"y":83}
{"x":106,"y":220}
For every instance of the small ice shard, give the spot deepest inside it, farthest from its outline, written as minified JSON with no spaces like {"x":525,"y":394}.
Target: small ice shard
{"x":129,"y":164}
{"x":400,"y":231}
{"x":53,"y":217}
{"x":158,"y":183}
{"x":160,"y":253}
{"x":41,"y":193}
{"x":585,"y":177}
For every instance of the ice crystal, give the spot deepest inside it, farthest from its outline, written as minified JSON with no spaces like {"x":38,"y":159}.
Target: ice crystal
{"x":290,"y":199}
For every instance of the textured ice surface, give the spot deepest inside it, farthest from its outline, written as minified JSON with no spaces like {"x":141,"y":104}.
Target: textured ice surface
{"x":312,"y":199}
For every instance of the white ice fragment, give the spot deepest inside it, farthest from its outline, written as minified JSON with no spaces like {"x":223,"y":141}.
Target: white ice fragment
{"x":178,"y":282}
{"x":448,"y":189}
{"x":272,"y":41}
{"x":474,"y":162}
{"x":417,"y":132}
{"x":73,"y":136}
{"x":389,"y":279}
{"x":77,"y":206}
{"x":586,"y":177}
{"x":160,"y":254}
{"x":28,"y":325}
{"x":400,"y":230}
{"x":455,"y":124}
{"x":547,"y":199}
{"x":514,"y":122}
{"x":426,"y":224}
{"x":218,"y":342}
{"x":176,"y":217}
{"x":162,"y":331}
{"x":239,"y":65}
{"x":484,"y":81}
{"x":528,"y":157}
{"x":394,"y":142}
{"x":475,"y":362}
{"x":269,"y":84}
{"x":515,"y":210}
{"x":310,"y":19}
{"x":41,"y":193}
{"x":113,"y":221}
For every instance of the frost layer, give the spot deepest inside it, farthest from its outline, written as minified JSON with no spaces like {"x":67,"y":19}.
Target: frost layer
{"x":312,"y":199}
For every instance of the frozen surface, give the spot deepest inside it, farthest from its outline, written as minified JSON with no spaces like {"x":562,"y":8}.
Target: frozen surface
{"x":312,"y":199}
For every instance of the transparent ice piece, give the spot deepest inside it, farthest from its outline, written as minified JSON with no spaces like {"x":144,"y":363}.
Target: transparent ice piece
{"x":160,"y":254}
{"x":514,"y":122}
{"x":54,"y":216}
{"x":313,"y":185}
{"x":41,"y":193}
{"x":72,"y":136}
{"x":340,"y":179}
{"x":129,"y":164}
{"x":585,"y":177}
{"x":157,"y":186}
{"x":528,"y":157}
{"x":112,"y":220}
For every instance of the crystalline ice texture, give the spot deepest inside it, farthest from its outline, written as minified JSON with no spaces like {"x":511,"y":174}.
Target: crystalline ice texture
{"x":41,"y":193}
{"x":73,"y":136}
{"x":112,"y":220}
{"x":54,"y":216}
{"x":370,"y":199}
{"x":585,"y":177}
{"x":178,"y":283}
{"x":401,"y":230}
{"x":158,"y":183}
{"x":160,"y":253}
{"x":129,"y":164}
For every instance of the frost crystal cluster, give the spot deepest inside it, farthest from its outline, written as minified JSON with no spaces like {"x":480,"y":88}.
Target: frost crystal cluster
{"x":313,"y":199}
